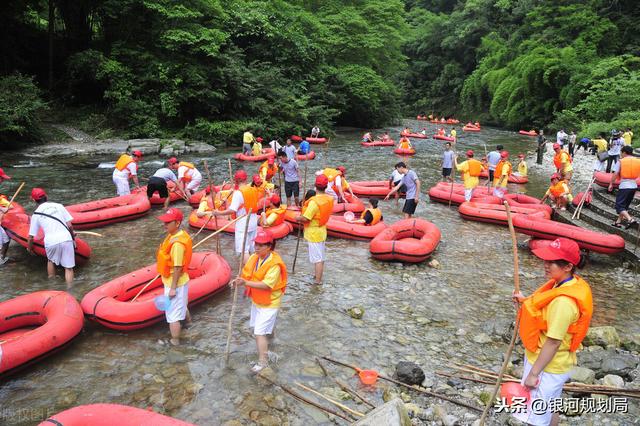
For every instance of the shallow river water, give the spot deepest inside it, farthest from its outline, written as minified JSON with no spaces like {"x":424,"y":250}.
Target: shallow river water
{"x":416,"y":313}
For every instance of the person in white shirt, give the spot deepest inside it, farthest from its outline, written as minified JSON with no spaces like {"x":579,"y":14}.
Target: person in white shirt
{"x":493,"y":158}
{"x":55,"y":222}
{"x":158,"y":182}
{"x":275,"y":146}
{"x":315,"y":132}
{"x":189,"y":177}
{"x":561,"y":137}
{"x":126,"y":168}
{"x":394,"y":180}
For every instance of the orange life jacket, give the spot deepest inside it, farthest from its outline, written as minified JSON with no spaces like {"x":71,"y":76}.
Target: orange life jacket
{"x":187,"y":175}
{"x":376,"y":213}
{"x":475,"y":167}
{"x":250,"y":273}
{"x":558,"y":189}
{"x":630,"y":167}
{"x":325,"y":205}
{"x":557,"y":159}
{"x":405,"y":144}
{"x":163,"y":256}
{"x":269,"y":172}
{"x":124,"y":161}
{"x":280,"y":212}
{"x":498,"y":173}
{"x":331,"y":174}
{"x":531,"y":320}
{"x":251,"y":195}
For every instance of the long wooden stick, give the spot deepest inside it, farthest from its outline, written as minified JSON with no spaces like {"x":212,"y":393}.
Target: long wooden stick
{"x":304,"y":182}
{"x":415,"y":388}
{"x":230,"y":172}
{"x":213,"y":205}
{"x":194,"y":247}
{"x":95,"y":234}
{"x":576,"y":213}
{"x":334,"y":402}
{"x":453,"y":180}
{"x":235,"y":287}
{"x":516,"y":283}
{"x":295,"y":256}
{"x":15,"y":194}
{"x":343,"y":385}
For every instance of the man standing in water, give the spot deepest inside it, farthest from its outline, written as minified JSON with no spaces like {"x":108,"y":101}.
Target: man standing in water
{"x":59,"y":244}
{"x":173,"y":259}
{"x":315,"y":215}
{"x":412,"y":184}
{"x":447,"y":163}
{"x":126,"y":168}
{"x":542,"y":143}
{"x":493,"y":158}
{"x":289,"y":167}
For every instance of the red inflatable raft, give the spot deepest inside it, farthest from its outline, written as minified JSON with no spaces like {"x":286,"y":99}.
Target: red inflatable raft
{"x":278,"y":231}
{"x":470,"y":129}
{"x":409,"y":240}
{"x":604,"y":179}
{"x":109,"y":210}
{"x":389,"y":142}
{"x":305,"y":157}
{"x":496,"y":213}
{"x":340,"y":228}
{"x":578,"y":198}
{"x":110,"y":415}
{"x":512,"y":178}
{"x":444,"y":138}
{"x":35,"y":326}
{"x":155,"y":198}
{"x":195,"y":199}
{"x":414,"y":135}
{"x":110,"y":303}
{"x":371,"y":188}
{"x":317,"y":140}
{"x":441,"y":193}
{"x":17,"y":227}
{"x":401,"y":151}
{"x":530,"y":133}
{"x":586,"y":239}
{"x":266,"y":154}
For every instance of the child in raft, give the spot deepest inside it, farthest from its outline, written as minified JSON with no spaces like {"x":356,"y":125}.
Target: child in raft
{"x":553,"y":322}
{"x":370,"y":216}
{"x":522,"y":168}
{"x":559,"y":193}
{"x":265,"y":278}
{"x":405,"y":143}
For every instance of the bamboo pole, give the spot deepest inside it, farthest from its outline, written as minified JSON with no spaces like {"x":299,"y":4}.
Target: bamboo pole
{"x":343,"y":385}
{"x":15,"y":194}
{"x":334,"y":402}
{"x":453,"y":180}
{"x":576,"y":213}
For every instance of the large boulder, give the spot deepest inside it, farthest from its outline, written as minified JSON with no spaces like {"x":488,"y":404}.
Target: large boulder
{"x":631,"y":343}
{"x":619,"y":364}
{"x":146,"y":146}
{"x":583,"y":375}
{"x":605,"y":336}
{"x":409,"y":373}
{"x":392,"y":413}
{"x":199,"y":148}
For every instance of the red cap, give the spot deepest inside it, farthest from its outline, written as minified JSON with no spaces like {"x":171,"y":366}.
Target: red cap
{"x":240,"y":176}
{"x":560,"y":249}
{"x":37,"y":193}
{"x":173,"y":214}
{"x":341,"y":169}
{"x":259,"y":139}
{"x":554,"y":176}
{"x":271,"y":160}
{"x":470,"y":153}
{"x":137,"y":153}
{"x":275,"y":199}
{"x":322,"y":181}
{"x":520,"y":155}
{"x":257,"y":180}
{"x":3,"y":175}
{"x":263,"y":237}
{"x":504,"y":154}
{"x":556,"y":146}
{"x":172,"y":160}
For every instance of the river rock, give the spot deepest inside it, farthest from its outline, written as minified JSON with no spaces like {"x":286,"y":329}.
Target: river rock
{"x":146,"y":146}
{"x":482,"y":338}
{"x":583,"y":375}
{"x":434,"y":264}
{"x":409,"y":373}
{"x":392,"y":413}
{"x":445,"y":418}
{"x":356,"y":312}
{"x":592,"y":358}
{"x":631,"y":343}
{"x":620,"y":365}
{"x":499,"y":327}
{"x":613,"y":380}
{"x":167,"y":151}
{"x":602,"y":336}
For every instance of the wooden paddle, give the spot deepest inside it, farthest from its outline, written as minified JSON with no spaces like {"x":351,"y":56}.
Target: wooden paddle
{"x":194,"y":247}
{"x":516,"y":282}
{"x":15,"y":194}
{"x":95,"y":234}
{"x":235,"y":288}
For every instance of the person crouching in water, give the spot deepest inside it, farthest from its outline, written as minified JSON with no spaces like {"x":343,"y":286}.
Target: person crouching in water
{"x":558,"y":193}
{"x":371,"y":215}
{"x":553,"y":322}
{"x":174,"y":257}
{"x":265,"y":279}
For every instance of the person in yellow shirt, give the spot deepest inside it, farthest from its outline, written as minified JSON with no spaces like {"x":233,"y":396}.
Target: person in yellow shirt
{"x":256,"y":149}
{"x":470,"y":169}
{"x":173,"y":259}
{"x":267,"y":170}
{"x":565,"y":305}
{"x":562,"y":161}
{"x":4,"y":207}
{"x":265,"y":278}
{"x":522,"y":167}
{"x":501,"y":175}
{"x":315,"y":215}
{"x":274,"y":213}
{"x":247,"y":140}
{"x":627,"y":136}
{"x":454,"y":135}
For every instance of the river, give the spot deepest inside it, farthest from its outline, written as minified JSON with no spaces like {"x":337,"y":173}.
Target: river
{"x":413,"y":313}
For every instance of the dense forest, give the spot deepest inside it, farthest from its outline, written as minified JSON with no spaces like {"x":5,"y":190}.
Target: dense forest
{"x":208,"y":69}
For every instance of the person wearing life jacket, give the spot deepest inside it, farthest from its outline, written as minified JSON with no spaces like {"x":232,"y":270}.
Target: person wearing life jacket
{"x":173,"y":258}
{"x":59,"y":238}
{"x":470,"y":170}
{"x":367,"y":137}
{"x":189,"y":178}
{"x":337,"y":183}
{"x":314,"y":216}
{"x":559,"y":193}
{"x":501,"y":175}
{"x":126,"y":168}
{"x":404,"y":143}
{"x":562,"y":161}
{"x":454,"y":134}
{"x":256,"y":148}
{"x":274,"y":213}
{"x":441,"y":131}
{"x":244,"y":200}
{"x":522,"y":167}
{"x":493,"y":158}
{"x":371,"y":215}
{"x":267,"y":171}
{"x":264,"y":277}
{"x":4,"y":208}
{"x":221,"y":199}
{"x":553,"y":322}
{"x":628,"y":171}
{"x":160,"y":179}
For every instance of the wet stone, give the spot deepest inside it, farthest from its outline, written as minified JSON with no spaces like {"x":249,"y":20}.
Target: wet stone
{"x":482,"y":338}
{"x":613,"y":380}
{"x":620,"y":365}
{"x":583,"y":375}
{"x":409,"y":373}
{"x":602,"y":336}
{"x":356,"y":312}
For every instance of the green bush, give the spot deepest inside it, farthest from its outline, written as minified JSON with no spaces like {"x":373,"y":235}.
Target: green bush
{"x":219,"y":132}
{"x":19,"y":103}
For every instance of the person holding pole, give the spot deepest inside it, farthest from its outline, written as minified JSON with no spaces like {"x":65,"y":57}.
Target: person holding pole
{"x":173,"y":259}
{"x":553,"y":322}
{"x":265,"y":278}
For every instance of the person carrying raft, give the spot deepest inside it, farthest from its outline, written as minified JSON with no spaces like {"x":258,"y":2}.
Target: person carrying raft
{"x":189,"y":178}
{"x":371,"y":215}
{"x":126,"y":168}
{"x":173,"y":259}
{"x":553,"y":322}
{"x":264,"y":277}
{"x":4,"y":207}
{"x":158,"y":182}
{"x":470,"y":169}
{"x":559,"y":193}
